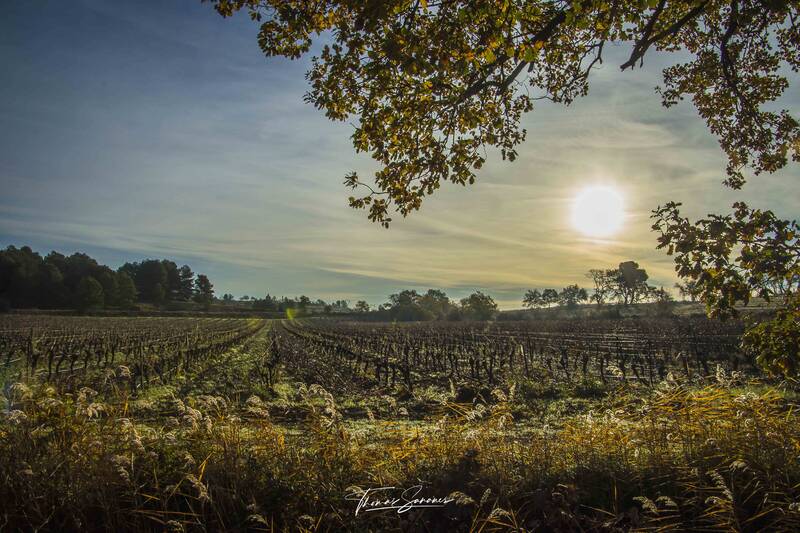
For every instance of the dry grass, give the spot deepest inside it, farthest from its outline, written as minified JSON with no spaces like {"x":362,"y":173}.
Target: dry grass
{"x":716,"y":458}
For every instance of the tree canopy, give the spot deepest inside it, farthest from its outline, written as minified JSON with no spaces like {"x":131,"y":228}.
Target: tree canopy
{"x":569,"y":296}
{"x":204,"y":293}
{"x":627,"y":284}
{"x":478,"y":306}
{"x":429,"y":85}
{"x":727,"y":259}
{"x":78,"y":281}
{"x":631,"y":282}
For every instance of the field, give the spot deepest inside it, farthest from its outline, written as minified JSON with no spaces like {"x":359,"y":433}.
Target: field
{"x":208,"y":424}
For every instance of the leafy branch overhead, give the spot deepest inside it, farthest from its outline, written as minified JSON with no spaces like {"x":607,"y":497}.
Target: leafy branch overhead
{"x":729,"y":258}
{"x":431,"y":84}
{"x":726,"y":259}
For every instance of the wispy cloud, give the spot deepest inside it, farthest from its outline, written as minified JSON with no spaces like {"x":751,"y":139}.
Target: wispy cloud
{"x":156,"y":130}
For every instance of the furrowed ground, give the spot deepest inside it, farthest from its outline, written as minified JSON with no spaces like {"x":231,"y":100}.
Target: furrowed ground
{"x":204,"y":424}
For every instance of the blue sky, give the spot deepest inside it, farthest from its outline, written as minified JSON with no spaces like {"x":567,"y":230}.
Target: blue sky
{"x":157,"y":129}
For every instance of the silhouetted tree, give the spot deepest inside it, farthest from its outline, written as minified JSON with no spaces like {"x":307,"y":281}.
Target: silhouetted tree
{"x":150,"y":277}
{"x":532,"y":299}
{"x":572,"y":295}
{"x":631,"y":282}
{"x":604,"y":281}
{"x":549,"y":297}
{"x":205,"y":291}
{"x":405,"y":306}
{"x":172,"y":283}
{"x":436,"y":302}
{"x":479,"y":306}
{"x":186,"y":288}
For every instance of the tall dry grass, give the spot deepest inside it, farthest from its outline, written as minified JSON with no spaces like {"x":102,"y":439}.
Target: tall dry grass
{"x":678,"y":458}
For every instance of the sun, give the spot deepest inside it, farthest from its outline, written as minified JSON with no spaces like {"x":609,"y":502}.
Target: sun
{"x":598,"y":211}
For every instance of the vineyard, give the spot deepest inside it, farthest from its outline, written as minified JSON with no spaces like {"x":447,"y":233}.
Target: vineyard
{"x":201,"y":424}
{"x":71,"y":352}
{"x":642,"y":351}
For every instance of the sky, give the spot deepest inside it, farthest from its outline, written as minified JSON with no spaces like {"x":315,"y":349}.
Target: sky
{"x":132,"y":130}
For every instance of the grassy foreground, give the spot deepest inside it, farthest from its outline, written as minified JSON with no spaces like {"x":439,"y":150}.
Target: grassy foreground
{"x":721,"y":457}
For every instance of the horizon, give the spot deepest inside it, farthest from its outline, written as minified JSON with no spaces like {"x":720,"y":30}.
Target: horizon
{"x":147,"y":130}
{"x":374,"y":305}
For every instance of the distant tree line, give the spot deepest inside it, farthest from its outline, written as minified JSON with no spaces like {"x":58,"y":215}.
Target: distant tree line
{"x":410,"y":305}
{"x":626,"y":284}
{"x":404,"y":306}
{"x":56,"y":281}
{"x":302,"y":304}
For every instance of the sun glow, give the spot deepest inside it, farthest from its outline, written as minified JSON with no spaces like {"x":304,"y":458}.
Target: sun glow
{"x":598,"y":211}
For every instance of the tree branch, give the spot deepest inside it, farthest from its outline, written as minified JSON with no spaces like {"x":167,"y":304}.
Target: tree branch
{"x":645,"y":42}
{"x":725,"y":57}
{"x":542,"y":35}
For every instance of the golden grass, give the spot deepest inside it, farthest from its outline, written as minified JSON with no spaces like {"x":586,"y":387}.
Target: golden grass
{"x":714,"y":458}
